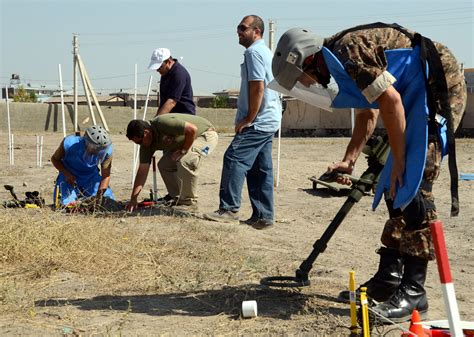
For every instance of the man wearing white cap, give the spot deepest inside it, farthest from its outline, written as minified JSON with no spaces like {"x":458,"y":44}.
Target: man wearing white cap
{"x":176,"y":92}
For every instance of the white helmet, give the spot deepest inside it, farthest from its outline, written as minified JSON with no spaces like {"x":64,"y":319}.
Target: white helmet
{"x":294,"y":46}
{"x":97,"y":136}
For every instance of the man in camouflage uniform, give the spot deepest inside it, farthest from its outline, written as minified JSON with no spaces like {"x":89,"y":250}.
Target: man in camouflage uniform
{"x":399,"y":281}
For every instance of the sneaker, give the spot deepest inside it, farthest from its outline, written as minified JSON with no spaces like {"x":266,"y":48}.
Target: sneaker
{"x":261,"y":224}
{"x":249,"y":221}
{"x":222,"y":215}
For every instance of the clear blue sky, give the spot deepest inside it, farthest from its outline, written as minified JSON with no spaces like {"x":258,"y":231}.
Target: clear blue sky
{"x":36,"y":35}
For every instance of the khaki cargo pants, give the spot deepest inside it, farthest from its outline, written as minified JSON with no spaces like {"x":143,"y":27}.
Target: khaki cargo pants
{"x":180,"y":177}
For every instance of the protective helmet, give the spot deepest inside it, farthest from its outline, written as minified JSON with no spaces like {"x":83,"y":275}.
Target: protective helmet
{"x":97,"y":136}
{"x":294,"y":46}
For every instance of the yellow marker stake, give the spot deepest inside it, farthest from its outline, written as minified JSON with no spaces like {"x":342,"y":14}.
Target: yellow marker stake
{"x":56,"y":197}
{"x":365,"y":312}
{"x":352,"y":300}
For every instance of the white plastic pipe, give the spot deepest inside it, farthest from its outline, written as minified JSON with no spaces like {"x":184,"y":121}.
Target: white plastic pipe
{"x":9,"y":128}
{"x":155,"y":184}
{"x":62,"y":99}
{"x":13,"y":151}
{"x":37,"y":151}
{"x":74,"y":74}
{"x":278,"y":158}
{"x":352,"y":120}
{"x":144,"y":116}
{"x":135,"y":146}
{"x":41,"y":152}
{"x":147,"y":97}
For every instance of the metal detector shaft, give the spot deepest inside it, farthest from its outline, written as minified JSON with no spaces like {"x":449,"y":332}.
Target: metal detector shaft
{"x":11,"y":189}
{"x":376,"y":161}
{"x":376,"y":149}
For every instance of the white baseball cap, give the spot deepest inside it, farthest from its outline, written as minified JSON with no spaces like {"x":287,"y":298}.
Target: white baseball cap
{"x":158,"y":56}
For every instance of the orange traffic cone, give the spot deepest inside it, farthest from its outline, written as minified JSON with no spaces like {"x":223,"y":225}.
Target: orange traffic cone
{"x":415,"y":325}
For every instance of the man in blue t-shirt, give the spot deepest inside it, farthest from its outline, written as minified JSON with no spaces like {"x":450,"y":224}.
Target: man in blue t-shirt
{"x":78,"y":160}
{"x":176,"y":92}
{"x":258,"y":117}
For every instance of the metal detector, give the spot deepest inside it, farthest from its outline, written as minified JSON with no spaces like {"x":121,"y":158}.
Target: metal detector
{"x":377,"y":150}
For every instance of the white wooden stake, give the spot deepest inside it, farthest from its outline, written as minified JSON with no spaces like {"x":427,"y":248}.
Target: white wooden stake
{"x":91,"y":90}
{"x":87,"y":90}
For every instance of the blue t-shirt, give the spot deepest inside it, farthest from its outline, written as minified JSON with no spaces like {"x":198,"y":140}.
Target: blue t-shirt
{"x":257,"y":66}
{"x":176,"y":84}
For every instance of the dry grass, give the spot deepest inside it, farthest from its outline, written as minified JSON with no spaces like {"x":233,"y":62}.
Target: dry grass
{"x":114,"y":255}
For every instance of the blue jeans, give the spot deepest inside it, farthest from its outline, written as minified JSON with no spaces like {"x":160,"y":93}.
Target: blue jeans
{"x":249,"y":155}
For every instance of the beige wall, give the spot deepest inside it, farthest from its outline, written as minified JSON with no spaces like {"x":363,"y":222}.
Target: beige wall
{"x":37,"y":117}
{"x":468,"y":120}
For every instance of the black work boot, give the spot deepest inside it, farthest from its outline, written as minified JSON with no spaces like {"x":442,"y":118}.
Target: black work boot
{"x":410,"y":294}
{"x":385,"y":281}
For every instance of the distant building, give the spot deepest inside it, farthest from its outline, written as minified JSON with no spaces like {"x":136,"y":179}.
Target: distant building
{"x":42,"y":92}
{"x":115,"y":99}
{"x":469,"y":76}
{"x":222,"y":99}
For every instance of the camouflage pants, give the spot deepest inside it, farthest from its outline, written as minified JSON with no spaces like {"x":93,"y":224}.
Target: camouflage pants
{"x":408,"y":230}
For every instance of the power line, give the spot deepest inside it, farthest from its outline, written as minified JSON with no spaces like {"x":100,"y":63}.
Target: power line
{"x":212,"y":72}
{"x":391,"y":15}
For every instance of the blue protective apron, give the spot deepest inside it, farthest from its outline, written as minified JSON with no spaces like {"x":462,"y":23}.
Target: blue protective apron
{"x":84,"y":168}
{"x":405,"y":66}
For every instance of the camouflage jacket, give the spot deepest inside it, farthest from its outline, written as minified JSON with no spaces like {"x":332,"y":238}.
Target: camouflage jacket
{"x":362,"y":53}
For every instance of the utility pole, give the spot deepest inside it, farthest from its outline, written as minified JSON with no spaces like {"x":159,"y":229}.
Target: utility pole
{"x":271,"y":34}
{"x":74,"y":72}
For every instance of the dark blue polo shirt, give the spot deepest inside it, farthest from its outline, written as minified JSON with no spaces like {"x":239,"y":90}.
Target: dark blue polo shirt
{"x":176,"y":84}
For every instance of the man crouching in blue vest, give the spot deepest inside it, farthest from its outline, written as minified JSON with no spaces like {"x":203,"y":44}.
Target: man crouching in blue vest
{"x":418,"y":89}
{"x":77,"y":159}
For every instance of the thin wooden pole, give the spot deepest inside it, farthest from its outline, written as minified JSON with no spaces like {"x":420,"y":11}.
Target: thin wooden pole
{"x":86,"y":91}
{"x":94,"y":97}
{"x":62,"y":99}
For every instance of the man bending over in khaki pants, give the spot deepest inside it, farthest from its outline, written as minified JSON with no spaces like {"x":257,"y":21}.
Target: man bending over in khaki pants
{"x":185,"y":140}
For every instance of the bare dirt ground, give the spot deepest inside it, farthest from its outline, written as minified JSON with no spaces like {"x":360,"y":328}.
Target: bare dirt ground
{"x":87,"y":275}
